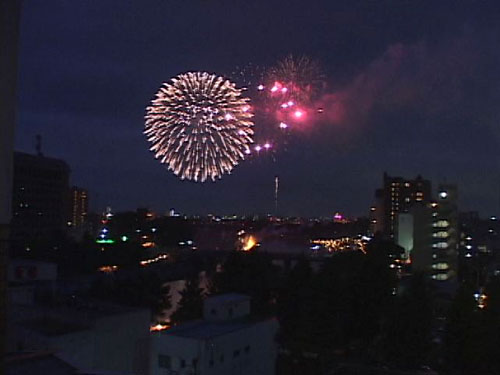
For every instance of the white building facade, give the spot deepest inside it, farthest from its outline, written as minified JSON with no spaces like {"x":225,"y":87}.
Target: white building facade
{"x":226,"y":341}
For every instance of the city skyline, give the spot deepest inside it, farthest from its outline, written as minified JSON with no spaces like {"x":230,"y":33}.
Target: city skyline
{"x":85,"y":81}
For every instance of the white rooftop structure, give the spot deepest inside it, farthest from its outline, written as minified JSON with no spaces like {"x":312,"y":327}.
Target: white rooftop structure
{"x":226,"y":341}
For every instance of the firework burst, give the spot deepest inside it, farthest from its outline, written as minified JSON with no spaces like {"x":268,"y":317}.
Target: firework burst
{"x":300,"y":78}
{"x":200,"y":126}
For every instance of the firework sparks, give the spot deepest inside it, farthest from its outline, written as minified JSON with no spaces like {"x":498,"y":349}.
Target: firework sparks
{"x":285,"y":98}
{"x":200,"y":126}
{"x":298,"y":113}
{"x":300,"y":77}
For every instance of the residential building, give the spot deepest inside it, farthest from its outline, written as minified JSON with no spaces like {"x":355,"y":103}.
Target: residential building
{"x":91,"y":336}
{"x":79,"y":207}
{"x":398,"y":195}
{"x":445,"y":233}
{"x":39,"y":200}
{"x":226,"y":341}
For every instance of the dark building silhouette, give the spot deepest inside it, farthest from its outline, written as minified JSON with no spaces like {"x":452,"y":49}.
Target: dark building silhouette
{"x":9,"y":41}
{"x":40,"y":199}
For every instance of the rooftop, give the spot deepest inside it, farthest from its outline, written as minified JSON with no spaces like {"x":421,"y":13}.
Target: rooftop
{"x":38,"y":363}
{"x":202,"y":329}
{"x":228,"y":298}
{"x":40,"y":161}
{"x":49,"y":326}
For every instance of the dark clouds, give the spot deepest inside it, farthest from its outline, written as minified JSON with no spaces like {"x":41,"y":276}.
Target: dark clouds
{"x":414,"y":89}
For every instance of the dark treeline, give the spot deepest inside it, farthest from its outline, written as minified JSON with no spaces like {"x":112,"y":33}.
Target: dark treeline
{"x":355,"y":310}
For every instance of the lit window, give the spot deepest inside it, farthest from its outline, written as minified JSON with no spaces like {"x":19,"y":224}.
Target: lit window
{"x":440,"y":266}
{"x":440,"y":245}
{"x":441,"y":234}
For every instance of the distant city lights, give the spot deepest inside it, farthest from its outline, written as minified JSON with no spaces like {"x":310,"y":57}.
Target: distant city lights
{"x":342,"y":244}
{"x":108,"y":269}
{"x":154,"y":260}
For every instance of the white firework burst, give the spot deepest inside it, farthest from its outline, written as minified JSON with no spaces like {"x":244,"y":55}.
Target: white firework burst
{"x":200,"y":126}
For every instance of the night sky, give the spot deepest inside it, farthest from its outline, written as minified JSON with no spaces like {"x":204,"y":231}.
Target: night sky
{"x":413,"y":87}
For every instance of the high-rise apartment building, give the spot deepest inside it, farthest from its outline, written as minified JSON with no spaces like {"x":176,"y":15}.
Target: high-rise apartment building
{"x":427,"y":229}
{"x":398,"y":195}
{"x":39,"y":198}
{"x":79,"y":206}
{"x":445,"y":233}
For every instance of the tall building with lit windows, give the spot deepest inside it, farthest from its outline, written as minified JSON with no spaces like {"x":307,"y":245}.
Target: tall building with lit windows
{"x":398,"y":195}
{"x":445,"y":234}
{"x":79,"y":206}
{"x":427,"y":229}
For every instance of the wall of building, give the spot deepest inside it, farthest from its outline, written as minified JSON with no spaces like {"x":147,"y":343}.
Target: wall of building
{"x":247,"y":351}
{"x":40,"y":199}
{"x":405,"y":233}
{"x":216,"y":310}
{"x":445,"y":233}
{"x":109,"y":343}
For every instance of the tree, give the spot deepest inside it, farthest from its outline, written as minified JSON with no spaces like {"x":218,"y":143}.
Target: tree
{"x":161,"y":301}
{"x":463,"y":342}
{"x":145,"y":289}
{"x":408,"y":330}
{"x":491,"y":327}
{"x":373,"y":289}
{"x":294,"y":308}
{"x":250,"y":273}
{"x":191,"y":303}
